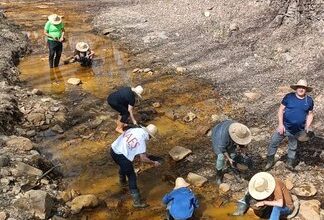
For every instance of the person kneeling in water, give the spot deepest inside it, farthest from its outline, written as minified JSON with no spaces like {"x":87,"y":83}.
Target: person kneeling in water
{"x":82,"y":54}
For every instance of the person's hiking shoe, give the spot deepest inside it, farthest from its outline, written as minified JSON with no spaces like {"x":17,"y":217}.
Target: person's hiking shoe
{"x":137,"y":202}
{"x":290,"y":164}
{"x":219,"y":177}
{"x":123,"y":182}
{"x":270,"y":163}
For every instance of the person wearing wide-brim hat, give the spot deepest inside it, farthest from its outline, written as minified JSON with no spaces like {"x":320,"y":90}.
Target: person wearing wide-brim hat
{"x":295,"y":116}
{"x":54,"y":31}
{"x":123,"y":101}
{"x":83,"y":54}
{"x":181,"y":201}
{"x":123,"y":151}
{"x":227,"y":136}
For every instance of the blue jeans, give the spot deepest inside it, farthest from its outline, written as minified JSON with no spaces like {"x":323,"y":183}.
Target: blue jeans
{"x":279,"y":211}
{"x":220,"y":161}
{"x":278,"y":138}
{"x":126,"y":168}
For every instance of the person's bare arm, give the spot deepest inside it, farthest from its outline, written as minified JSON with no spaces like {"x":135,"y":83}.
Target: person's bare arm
{"x":281,"y":128}
{"x":130,"y":110}
{"x":62,"y":36}
{"x":145,"y":159}
{"x":309,"y":120}
{"x":47,"y":34}
{"x":278,"y":203}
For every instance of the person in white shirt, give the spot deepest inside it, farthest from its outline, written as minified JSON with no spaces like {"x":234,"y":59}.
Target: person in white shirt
{"x":123,"y":151}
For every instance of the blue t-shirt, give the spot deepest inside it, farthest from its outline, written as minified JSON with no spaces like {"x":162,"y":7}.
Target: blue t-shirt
{"x":221,"y":139}
{"x":296,"y":111}
{"x":183,"y":203}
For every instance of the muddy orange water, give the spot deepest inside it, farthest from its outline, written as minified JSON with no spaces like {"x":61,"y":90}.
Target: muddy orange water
{"x":82,"y":150}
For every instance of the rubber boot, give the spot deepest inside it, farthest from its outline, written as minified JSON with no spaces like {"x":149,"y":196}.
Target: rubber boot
{"x":137,"y":202}
{"x":219,"y":177}
{"x":242,"y":205}
{"x":270,"y":163}
{"x":122,"y":181}
{"x":290,"y":163}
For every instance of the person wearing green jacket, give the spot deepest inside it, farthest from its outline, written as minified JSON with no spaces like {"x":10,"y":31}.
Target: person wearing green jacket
{"x":54,"y":31}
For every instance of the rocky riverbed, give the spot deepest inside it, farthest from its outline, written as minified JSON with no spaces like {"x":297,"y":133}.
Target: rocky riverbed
{"x":248,"y":56}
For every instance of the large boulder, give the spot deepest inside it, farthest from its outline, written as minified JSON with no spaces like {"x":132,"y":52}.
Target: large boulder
{"x":37,"y":202}
{"x":196,"y":179}
{"x":305,"y":190}
{"x":178,"y":153}
{"x":310,"y":209}
{"x":83,"y":201}
{"x":19,"y":143}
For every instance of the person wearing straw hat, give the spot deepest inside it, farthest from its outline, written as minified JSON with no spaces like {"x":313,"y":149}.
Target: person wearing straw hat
{"x":271,"y":194}
{"x":227,"y":136}
{"x":82,"y":54}
{"x":123,"y":101}
{"x":295,"y":115}
{"x":123,"y":151}
{"x":54,"y":31}
{"x":181,"y":201}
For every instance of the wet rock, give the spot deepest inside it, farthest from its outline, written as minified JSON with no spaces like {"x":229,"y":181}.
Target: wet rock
{"x":305,"y":190}
{"x":84,"y":201}
{"x":178,"y":153}
{"x":57,"y":129}
{"x":224,"y":188}
{"x":19,"y":143}
{"x":108,"y":31}
{"x":309,"y":209}
{"x":289,"y":182}
{"x":68,"y":195}
{"x":40,"y":203}
{"x":3,"y":215}
{"x":252,"y":95}
{"x":4,"y":160}
{"x":181,"y":70}
{"x":233,"y":27}
{"x":74,"y":81}
{"x":36,"y":92}
{"x":156,"y":104}
{"x":190,"y":117}
{"x":113,"y":203}
{"x":196,"y":179}
{"x":25,"y":169}
{"x":171,"y":114}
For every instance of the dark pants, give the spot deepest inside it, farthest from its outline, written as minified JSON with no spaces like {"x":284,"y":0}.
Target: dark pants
{"x":125,"y":169}
{"x":55,"y":51}
{"x":123,"y":111}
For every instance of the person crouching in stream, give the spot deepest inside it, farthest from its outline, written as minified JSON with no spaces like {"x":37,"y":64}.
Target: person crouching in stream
{"x":54,"y":31}
{"x":181,"y":201}
{"x":229,"y":137}
{"x":123,"y":101}
{"x":268,"y":196}
{"x":123,"y":151}
{"x":82,"y":54}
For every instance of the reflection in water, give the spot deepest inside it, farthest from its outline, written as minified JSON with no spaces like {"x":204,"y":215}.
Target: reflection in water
{"x":57,"y":81}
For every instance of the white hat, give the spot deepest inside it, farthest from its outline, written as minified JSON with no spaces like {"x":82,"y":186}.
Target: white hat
{"x":151,"y":129}
{"x":82,"y":46}
{"x":180,"y":182}
{"x":239,"y":133}
{"x":262,"y":185}
{"x":138,"y":90}
{"x":301,"y":83}
{"x":55,"y":19}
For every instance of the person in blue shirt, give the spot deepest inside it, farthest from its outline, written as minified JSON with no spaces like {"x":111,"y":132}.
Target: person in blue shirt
{"x":295,"y":115}
{"x":181,"y":202}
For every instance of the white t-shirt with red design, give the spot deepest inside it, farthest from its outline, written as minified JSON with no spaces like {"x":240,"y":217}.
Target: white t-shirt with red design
{"x":131,"y":143}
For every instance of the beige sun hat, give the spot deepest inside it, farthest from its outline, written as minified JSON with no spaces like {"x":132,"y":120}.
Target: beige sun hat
{"x":180,"y":182}
{"x":151,"y":129}
{"x":138,"y":90}
{"x":239,"y":133}
{"x":262,"y":185}
{"x":302,"y":83}
{"x":82,"y":46}
{"x":55,"y":19}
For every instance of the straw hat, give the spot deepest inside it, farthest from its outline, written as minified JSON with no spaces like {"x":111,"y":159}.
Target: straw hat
{"x":262,"y":185}
{"x":301,"y":83}
{"x":82,"y":46}
{"x":180,"y":182}
{"x":151,"y":129}
{"x":138,"y":90}
{"x":55,"y":19}
{"x":239,"y":133}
